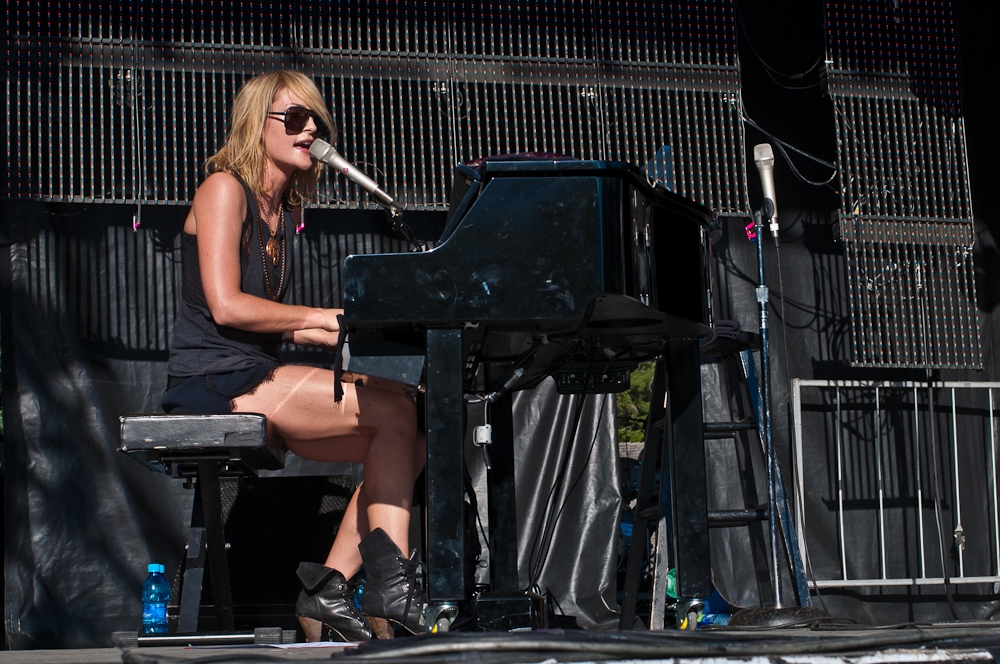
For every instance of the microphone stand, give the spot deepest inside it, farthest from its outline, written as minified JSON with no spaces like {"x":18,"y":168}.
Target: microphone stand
{"x":778,"y":614}
{"x":764,"y":214}
{"x":395,"y":217}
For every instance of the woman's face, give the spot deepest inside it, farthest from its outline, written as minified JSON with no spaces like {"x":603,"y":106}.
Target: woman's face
{"x":288,"y":151}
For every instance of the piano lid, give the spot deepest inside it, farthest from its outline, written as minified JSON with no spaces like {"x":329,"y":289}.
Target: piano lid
{"x":540,"y":242}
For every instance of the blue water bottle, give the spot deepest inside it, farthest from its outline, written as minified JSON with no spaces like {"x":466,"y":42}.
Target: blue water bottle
{"x":155,"y":593}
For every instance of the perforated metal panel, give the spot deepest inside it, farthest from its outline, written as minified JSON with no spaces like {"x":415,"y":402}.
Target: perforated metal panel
{"x":906,"y":209}
{"x":912,"y":293}
{"x":123,"y":102}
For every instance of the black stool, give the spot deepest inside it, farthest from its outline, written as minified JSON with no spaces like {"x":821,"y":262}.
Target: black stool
{"x":204,"y":447}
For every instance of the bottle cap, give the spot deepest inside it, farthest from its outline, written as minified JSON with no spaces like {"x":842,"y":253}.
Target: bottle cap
{"x":154,"y":567}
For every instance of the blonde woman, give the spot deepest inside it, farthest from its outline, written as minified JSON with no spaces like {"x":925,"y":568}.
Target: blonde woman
{"x":225,"y":354}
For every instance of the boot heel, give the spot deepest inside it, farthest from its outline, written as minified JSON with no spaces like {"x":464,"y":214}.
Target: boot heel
{"x":391,"y":588}
{"x":381,"y":627}
{"x":325,"y":607}
{"x":313,"y":629}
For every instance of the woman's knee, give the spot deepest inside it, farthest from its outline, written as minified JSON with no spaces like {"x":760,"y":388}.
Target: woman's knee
{"x":400,"y":409}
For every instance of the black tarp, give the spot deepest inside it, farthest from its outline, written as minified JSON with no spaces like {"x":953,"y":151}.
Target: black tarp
{"x":809,"y":340}
{"x":568,"y":500}
{"x":88,"y":308}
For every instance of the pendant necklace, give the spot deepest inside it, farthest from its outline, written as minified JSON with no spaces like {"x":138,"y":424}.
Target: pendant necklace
{"x":273,"y":247}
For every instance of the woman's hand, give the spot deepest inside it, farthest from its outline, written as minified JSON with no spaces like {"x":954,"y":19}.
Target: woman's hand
{"x":331,"y":320}
{"x":328,"y":335}
{"x":313,"y":337}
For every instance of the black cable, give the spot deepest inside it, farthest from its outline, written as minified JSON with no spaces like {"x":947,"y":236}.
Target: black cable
{"x":784,"y":347}
{"x":769,"y":68}
{"x":937,"y":501}
{"x":803,"y":551}
{"x":784,"y":332}
{"x":650,"y":645}
{"x":784,"y":144}
{"x":812,"y":623}
{"x":832,"y":627}
{"x":791,"y":87}
{"x":932,"y":428}
{"x":482,"y":530}
{"x":134,"y":655}
{"x":500,"y":388}
{"x":821,"y":162}
{"x":734,"y":270}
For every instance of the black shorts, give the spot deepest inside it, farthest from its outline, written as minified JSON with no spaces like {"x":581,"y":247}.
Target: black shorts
{"x":213,"y":393}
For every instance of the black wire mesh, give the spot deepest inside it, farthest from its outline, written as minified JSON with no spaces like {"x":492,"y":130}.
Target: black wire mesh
{"x":122,"y":102}
{"x":906,"y":209}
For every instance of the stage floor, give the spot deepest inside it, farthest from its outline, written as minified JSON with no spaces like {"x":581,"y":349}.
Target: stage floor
{"x":952,"y":642}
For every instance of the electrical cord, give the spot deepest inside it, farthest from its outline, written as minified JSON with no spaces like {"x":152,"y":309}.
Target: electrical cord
{"x":782,"y":145}
{"x":935,"y":466}
{"x":769,"y":68}
{"x":803,"y":552}
{"x":732,"y":269}
{"x":937,"y":503}
{"x":821,"y":162}
{"x":512,"y":646}
{"x":650,"y":645}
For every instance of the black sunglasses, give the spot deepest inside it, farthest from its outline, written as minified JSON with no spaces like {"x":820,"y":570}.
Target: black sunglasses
{"x":297,"y":117}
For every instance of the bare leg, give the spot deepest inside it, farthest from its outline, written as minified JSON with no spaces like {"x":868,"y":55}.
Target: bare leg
{"x":344,"y":555}
{"x":371,"y":426}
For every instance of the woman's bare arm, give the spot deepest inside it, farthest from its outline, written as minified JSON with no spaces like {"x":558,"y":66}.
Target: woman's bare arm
{"x":218,"y":212}
{"x":314,"y":336}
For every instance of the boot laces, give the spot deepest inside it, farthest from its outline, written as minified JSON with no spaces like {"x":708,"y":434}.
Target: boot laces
{"x":411,"y":567}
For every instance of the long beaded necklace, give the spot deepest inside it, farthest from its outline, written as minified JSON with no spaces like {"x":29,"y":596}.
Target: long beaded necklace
{"x":273,"y":249}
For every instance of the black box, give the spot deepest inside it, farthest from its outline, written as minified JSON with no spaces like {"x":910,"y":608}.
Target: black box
{"x":508,"y":612}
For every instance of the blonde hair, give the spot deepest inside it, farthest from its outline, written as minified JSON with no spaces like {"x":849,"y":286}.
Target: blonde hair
{"x":243,"y":152}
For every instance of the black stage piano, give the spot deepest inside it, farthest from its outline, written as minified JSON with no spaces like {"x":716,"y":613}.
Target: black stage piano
{"x":573,"y":269}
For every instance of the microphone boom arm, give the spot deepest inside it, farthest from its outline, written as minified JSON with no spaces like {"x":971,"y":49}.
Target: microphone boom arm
{"x":395,"y":215}
{"x":325,"y":153}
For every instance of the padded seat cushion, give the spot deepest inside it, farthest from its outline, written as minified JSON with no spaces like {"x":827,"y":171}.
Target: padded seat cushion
{"x":155,"y":439}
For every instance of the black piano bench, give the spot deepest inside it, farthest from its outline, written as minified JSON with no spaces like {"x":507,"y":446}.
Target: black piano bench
{"x":202,"y":448}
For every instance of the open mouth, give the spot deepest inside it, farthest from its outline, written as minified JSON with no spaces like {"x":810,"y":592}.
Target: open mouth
{"x":304,"y":144}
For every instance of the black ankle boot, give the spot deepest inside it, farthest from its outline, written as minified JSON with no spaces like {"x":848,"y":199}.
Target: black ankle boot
{"x":327,"y":601}
{"x":391,"y":592}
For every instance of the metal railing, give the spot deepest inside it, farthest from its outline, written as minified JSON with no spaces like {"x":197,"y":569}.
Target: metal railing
{"x":934,"y":447}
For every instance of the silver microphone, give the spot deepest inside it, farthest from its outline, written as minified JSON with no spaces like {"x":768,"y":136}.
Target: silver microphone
{"x":763,"y":157}
{"x":323,"y":152}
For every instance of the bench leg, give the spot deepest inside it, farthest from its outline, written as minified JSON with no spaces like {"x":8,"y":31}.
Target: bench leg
{"x":211,"y":502}
{"x":194,"y":576}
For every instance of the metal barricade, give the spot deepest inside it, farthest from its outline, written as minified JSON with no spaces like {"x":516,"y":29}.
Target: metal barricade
{"x":934,"y":447}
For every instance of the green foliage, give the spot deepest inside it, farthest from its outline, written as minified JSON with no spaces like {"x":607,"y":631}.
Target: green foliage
{"x":633,"y":405}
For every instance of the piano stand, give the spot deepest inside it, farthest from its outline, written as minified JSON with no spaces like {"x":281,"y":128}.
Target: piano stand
{"x":551,"y":264}
{"x":502,"y":513}
{"x":675,"y":443}
{"x":445,"y":468}
{"x":202,"y":447}
{"x":506,"y":607}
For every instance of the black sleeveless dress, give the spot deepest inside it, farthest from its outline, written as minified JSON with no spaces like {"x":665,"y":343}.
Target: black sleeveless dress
{"x":211,"y":364}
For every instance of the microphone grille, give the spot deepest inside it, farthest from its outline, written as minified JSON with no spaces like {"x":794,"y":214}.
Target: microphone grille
{"x":318,"y":148}
{"x":763,"y":152}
